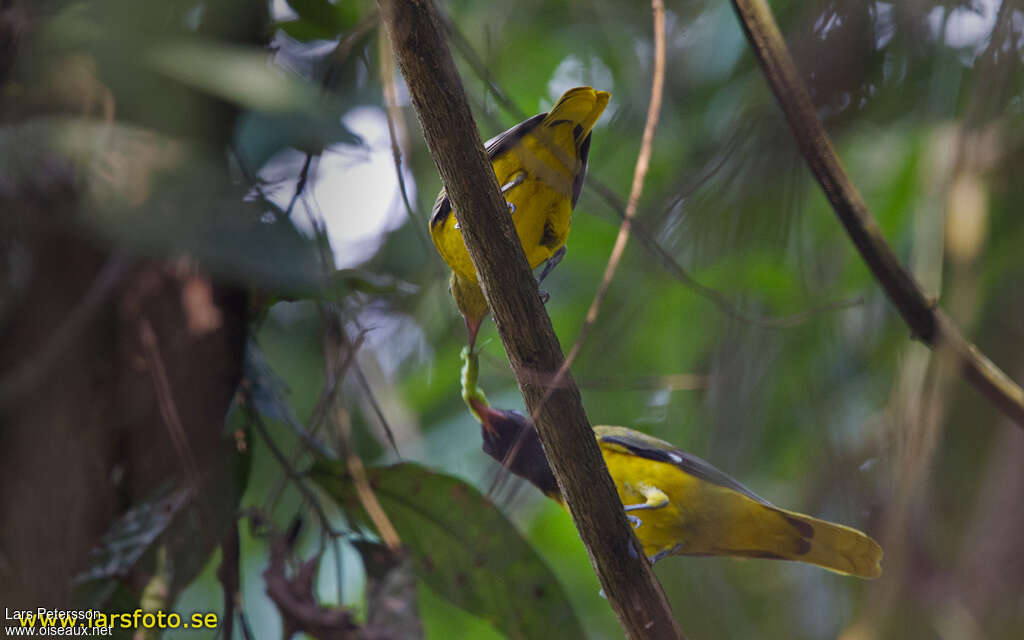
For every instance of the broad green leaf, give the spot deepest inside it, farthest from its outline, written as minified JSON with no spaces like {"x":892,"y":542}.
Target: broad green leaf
{"x":463,"y":547}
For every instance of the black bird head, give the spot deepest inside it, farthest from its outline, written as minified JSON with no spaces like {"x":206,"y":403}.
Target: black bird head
{"x":511,"y":439}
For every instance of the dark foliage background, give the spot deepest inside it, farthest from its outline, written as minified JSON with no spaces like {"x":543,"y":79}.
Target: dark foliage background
{"x":202,"y":194}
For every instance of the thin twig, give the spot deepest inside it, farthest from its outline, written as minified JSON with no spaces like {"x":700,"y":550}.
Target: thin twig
{"x":643,"y":161}
{"x":363,"y":489}
{"x":372,"y":399}
{"x":254,"y":182}
{"x":334,"y":374}
{"x":244,"y":620}
{"x":339,"y":55}
{"x":927,"y":323}
{"x":300,"y":185}
{"x":639,"y":174}
{"x":295,"y":477}
{"x":394,"y":115}
{"x":337,"y":371}
{"x":481,"y":69}
{"x":165,"y":401}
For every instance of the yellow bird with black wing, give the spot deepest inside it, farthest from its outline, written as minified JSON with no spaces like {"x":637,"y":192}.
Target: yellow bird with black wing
{"x":540,"y":164}
{"x":678,"y":503}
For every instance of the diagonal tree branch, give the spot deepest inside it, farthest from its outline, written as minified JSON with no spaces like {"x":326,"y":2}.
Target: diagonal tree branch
{"x":927,"y":323}
{"x":525,"y":329}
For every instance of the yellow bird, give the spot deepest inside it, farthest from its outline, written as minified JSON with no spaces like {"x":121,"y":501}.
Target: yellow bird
{"x":540,"y":164}
{"x":678,"y":503}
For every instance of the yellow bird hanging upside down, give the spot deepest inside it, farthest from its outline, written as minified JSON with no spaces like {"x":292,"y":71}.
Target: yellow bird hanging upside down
{"x":678,"y":503}
{"x":540,"y":164}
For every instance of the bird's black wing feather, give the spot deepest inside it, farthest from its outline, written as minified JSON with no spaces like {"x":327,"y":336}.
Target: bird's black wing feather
{"x":687,"y":462}
{"x":577,"y":181}
{"x":495,"y":146}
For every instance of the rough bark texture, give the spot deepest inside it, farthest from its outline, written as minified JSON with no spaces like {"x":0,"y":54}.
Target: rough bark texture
{"x":523,"y":324}
{"x":85,"y":438}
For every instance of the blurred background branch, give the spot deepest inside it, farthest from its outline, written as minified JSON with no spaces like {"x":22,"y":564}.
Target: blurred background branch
{"x":927,"y":322}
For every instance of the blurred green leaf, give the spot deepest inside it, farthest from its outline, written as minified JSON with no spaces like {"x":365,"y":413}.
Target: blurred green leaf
{"x":463,"y":547}
{"x":306,"y":30}
{"x":330,"y":16}
{"x":344,"y":282}
{"x":320,"y":20}
{"x":157,"y":195}
{"x":241,"y":75}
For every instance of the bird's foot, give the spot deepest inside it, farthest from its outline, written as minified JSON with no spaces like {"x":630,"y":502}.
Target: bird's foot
{"x":519,"y":178}
{"x":552,"y":262}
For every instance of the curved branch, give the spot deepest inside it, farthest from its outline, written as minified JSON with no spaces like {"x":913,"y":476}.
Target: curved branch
{"x":927,"y":323}
{"x":524,"y":326}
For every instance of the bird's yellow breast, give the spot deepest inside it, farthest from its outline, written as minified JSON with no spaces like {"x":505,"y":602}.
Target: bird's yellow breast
{"x":541,"y":203}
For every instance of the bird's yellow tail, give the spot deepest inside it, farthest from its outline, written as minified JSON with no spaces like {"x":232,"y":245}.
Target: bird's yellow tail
{"x":582,"y":106}
{"x":830,"y":546}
